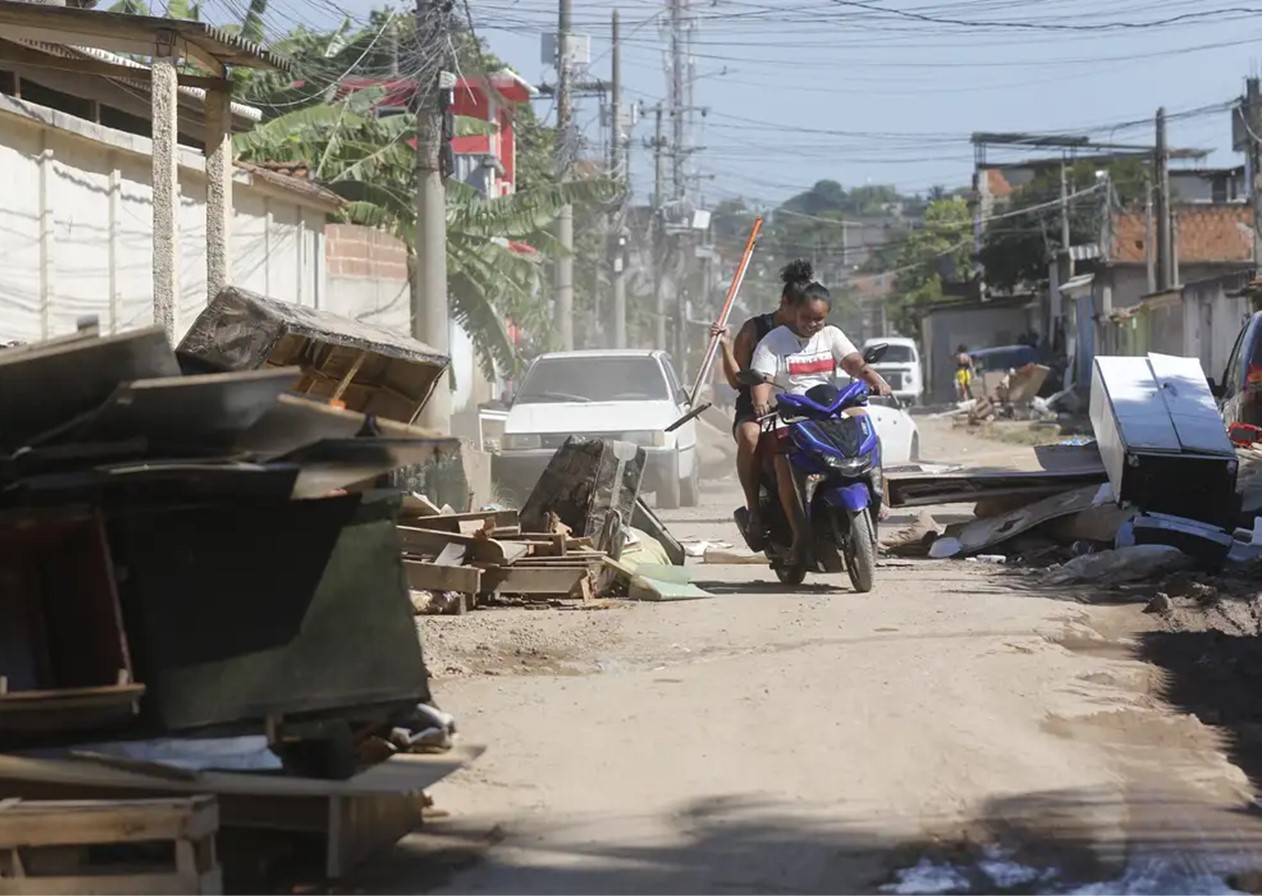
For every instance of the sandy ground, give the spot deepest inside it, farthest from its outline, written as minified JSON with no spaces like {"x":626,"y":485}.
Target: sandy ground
{"x":951,"y":731}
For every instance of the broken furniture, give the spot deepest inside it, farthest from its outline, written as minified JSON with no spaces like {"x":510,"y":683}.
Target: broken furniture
{"x":108,"y":846}
{"x":186,"y":555}
{"x":1058,"y":468}
{"x":1162,"y":438}
{"x":485,"y":554}
{"x":64,"y":658}
{"x":363,"y":367}
{"x":591,"y":485}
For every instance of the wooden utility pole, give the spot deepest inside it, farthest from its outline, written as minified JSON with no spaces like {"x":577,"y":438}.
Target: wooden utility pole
{"x":430,"y":320}
{"x":618,"y":168}
{"x":1165,"y":243}
{"x":659,"y":230}
{"x":565,"y":220}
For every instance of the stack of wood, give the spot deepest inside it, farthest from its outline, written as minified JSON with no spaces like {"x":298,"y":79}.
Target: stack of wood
{"x":455,"y":561}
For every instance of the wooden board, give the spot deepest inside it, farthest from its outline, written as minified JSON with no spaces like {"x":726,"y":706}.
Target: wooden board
{"x":452,"y":522}
{"x":33,"y":836}
{"x":431,"y":542}
{"x":980,"y":535}
{"x":441,"y":577}
{"x":549,"y":581}
{"x":401,"y":773}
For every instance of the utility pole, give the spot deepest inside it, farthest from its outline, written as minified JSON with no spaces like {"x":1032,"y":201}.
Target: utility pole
{"x":1165,"y":243}
{"x":429,"y":292}
{"x":659,"y":231}
{"x":1253,"y":131}
{"x":1066,"y":237}
{"x":617,"y":167}
{"x":565,"y":220}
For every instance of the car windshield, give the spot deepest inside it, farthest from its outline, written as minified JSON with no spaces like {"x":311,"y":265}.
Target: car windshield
{"x":897,"y":354}
{"x":594,"y":379}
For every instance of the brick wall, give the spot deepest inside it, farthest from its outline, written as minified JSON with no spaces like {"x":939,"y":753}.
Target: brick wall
{"x":363,"y":252}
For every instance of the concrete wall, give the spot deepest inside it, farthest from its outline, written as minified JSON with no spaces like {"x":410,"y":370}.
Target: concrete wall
{"x":974,"y":326}
{"x":76,"y":226}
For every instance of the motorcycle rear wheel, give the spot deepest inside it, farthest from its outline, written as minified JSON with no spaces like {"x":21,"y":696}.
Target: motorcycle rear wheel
{"x":859,"y":549}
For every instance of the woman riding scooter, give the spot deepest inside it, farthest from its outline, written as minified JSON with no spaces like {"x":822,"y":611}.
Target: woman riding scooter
{"x":798,"y":357}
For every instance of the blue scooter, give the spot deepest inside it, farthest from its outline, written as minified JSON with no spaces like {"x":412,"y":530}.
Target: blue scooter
{"x":836,"y":464}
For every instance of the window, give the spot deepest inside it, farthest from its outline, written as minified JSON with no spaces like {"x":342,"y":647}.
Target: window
{"x":898,"y":354}
{"x":594,"y":379}
{"x":672,"y":380}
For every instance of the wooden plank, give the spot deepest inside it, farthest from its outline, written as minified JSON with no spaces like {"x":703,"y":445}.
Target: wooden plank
{"x":558,"y":582}
{"x":450,"y":522}
{"x":430,"y":542}
{"x":161,"y":883}
{"x":441,"y":577}
{"x":88,"y":822}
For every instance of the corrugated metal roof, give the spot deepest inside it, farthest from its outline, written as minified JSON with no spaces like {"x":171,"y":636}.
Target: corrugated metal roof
{"x":66,"y":51}
{"x":227,"y":48}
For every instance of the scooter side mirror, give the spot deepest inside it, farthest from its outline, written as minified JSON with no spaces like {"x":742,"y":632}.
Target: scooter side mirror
{"x":876,"y":352}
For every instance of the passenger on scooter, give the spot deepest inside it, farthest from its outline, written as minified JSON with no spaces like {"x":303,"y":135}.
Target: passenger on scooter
{"x":797,"y":357}
{"x":736,"y":358}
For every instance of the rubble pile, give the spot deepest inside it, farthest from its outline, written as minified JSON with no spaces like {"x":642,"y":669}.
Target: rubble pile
{"x":1161,"y":489}
{"x":584,"y":533}
{"x":203,"y":588}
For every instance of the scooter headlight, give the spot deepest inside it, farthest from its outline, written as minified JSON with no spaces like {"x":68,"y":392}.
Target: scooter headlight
{"x":848,"y":466}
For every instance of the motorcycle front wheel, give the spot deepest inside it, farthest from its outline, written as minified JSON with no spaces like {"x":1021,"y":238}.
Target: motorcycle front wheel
{"x":859,"y":549}
{"x":791,"y":575}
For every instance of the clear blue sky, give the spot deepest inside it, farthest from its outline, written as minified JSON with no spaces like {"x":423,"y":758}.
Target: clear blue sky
{"x":870,"y":92}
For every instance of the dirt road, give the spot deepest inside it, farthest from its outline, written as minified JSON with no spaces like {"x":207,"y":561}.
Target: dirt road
{"x":951,"y":731}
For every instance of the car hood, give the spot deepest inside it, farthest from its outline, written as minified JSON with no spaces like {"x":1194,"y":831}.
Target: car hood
{"x":590,"y":417}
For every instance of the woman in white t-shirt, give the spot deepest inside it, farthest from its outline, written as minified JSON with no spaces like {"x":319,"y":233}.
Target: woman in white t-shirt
{"x":798,"y":357}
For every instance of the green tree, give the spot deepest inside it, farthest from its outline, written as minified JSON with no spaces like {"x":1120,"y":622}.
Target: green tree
{"x":937,"y":253}
{"x":370,"y":162}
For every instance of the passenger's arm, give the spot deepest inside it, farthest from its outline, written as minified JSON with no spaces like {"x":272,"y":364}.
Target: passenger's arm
{"x":765,"y":364}
{"x":730,"y":367}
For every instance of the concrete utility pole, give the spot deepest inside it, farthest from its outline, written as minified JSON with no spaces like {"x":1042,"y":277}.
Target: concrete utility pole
{"x":565,"y":220}
{"x":1165,"y":243}
{"x":617,"y":167}
{"x":1253,"y":121}
{"x":659,"y":231}
{"x":1066,"y":235}
{"x":430,"y":320}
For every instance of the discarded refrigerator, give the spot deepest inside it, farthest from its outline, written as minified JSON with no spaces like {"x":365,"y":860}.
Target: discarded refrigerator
{"x":1162,"y":439}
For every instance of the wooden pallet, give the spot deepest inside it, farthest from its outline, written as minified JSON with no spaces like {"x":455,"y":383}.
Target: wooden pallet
{"x":104,"y":846}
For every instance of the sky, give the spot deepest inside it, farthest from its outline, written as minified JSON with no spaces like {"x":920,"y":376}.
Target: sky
{"x":888,"y":91}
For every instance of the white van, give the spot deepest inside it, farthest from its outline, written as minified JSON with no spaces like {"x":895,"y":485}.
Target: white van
{"x":901,"y":367}
{"x":626,"y":394}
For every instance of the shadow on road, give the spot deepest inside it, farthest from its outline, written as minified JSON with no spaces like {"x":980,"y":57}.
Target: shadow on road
{"x":1046,"y":842}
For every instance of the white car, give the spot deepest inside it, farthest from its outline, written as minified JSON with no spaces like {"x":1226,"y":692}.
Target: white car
{"x":631,"y":395}
{"x":900,"y":366}
{"x":900,"y":438}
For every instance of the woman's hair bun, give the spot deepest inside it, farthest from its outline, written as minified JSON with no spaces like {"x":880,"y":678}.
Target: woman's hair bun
{"x":799,"y":271}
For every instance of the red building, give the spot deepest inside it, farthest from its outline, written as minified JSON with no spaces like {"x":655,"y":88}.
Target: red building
{"x":485,"y":161}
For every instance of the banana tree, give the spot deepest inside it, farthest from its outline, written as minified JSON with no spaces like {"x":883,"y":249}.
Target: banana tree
{"x":370,"y":162}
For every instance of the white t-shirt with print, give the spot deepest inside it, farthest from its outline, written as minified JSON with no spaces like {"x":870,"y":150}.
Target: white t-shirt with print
{"x":799,"y":364}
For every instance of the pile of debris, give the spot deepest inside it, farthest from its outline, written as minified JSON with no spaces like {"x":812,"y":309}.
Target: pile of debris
{"x":580,"y":536}
{"x":203,"y":588}
{"x":1156,"y":491}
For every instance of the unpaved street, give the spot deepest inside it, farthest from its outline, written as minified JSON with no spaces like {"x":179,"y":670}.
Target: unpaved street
{"x":953,"y":730}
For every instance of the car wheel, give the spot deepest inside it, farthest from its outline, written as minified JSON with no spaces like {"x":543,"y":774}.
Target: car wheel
{"x":690,"y":487}
{"x":668,"y":491}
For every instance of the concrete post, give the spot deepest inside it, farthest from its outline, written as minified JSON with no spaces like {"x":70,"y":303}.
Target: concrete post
{"x":165,"y":186}
{"x":218,"y":191}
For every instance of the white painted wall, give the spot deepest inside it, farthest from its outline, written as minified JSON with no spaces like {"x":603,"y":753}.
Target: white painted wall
{"x":76,"y":229}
